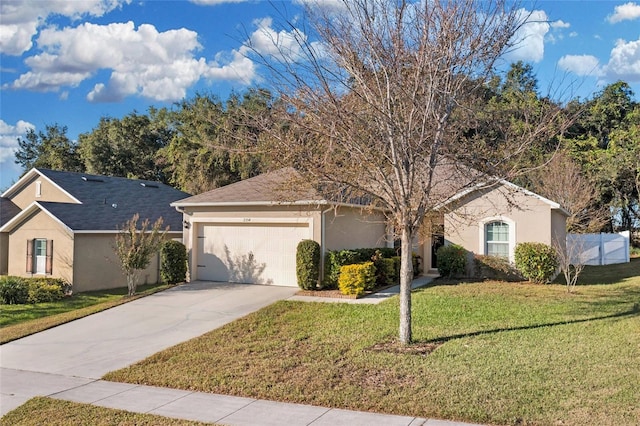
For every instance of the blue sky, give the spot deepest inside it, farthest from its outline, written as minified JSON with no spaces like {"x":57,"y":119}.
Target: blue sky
{"x":71,"y":62}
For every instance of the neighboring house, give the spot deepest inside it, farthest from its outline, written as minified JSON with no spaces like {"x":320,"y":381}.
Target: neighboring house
{"x":248,"y":231}
{"x":63,"y":224}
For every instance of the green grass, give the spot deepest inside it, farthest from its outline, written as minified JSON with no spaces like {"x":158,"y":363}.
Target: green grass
{"x":52,"y":412}
{"x":18,"y":321}
{"x":493,"y":352}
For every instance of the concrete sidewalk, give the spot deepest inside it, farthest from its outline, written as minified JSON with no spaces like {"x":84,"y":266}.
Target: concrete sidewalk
{"x":199,"y":406}
{"x":67,"y":361}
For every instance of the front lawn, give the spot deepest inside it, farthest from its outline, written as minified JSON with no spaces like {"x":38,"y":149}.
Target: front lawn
{"x":493,"y":352}
{"x":18,"y":321}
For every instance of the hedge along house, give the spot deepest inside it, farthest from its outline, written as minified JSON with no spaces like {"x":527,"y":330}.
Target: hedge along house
{"x":248,"y":232}
{"x":63,"y":224}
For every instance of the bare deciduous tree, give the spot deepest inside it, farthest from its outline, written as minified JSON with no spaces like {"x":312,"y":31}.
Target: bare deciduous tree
{"x":562,"y":181}
{"x":571,"y":261}
{"x":135,"y":245}
{"x":378,"y":106}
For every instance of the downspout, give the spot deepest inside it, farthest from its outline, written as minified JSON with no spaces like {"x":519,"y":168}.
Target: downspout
{"x":323,"y":241}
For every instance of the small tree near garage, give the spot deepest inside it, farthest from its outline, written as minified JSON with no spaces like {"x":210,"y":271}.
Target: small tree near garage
{"x":135,"y":245}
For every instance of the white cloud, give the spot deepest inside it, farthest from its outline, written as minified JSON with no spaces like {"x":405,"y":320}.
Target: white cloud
{"x":582,"y":65}
{"x":268,"y":42}
{"x":529,"y":39}
{"x":573,"y":34}
{"x":624,"y":12}
{"x":560,"y":24}
{"x":9,"y":138}
{"x":624,"y":61}
{"x":143,"y":61}
{"x":623,"y":64}
{"x":21,"y":19}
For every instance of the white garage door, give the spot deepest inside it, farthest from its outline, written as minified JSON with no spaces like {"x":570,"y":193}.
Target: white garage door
{"x":249,"y":253}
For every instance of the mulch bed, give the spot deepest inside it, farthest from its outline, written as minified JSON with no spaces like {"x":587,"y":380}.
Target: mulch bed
{"x":336,"y":294}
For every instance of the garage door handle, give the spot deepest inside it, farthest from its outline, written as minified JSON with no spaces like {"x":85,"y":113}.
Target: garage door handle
{"x":202,"y":266}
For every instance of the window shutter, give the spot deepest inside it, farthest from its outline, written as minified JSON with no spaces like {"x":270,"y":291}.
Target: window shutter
{"x":49,"y":263}
{"x":30,"y":253}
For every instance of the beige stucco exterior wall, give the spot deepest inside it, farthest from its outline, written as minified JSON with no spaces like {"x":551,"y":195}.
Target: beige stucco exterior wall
{"x":530,"y":216}
{"x":97,"y":267}
{"x":48,"y":192}
{"x":351,"y":228}
{"x":41,"y":225}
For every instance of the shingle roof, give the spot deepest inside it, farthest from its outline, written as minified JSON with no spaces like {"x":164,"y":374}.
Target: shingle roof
{"x":8,"y":210}
{"x":283,"y":185}
{"x":108,"y":202}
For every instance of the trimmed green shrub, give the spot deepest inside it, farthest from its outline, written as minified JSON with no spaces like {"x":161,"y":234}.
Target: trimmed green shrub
{"x":356,"y":279}
{"x":495,"y":268}
{"x":397,"y":264}
{"x":385,"y":272}
{"x":173,"y":262}
{"x":13,"y":290}
{"x":46,"y":289}
{"x":417,"y":264}
{"x":452,"y":260}
{"x":308,"y":264}
{"x":537,"y":262}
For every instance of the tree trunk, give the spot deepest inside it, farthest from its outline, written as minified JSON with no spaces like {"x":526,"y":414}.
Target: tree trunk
{"x":132,"y":282}
{"x":406,"y":277}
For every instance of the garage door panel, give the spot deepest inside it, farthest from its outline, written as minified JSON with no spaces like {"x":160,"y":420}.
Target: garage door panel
{"x":251,"y":253}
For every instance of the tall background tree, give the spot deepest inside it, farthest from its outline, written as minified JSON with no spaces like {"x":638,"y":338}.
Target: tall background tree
{"x":126,"y":147}
{"x":51,"y":149}
{"x":381,"y":104}
{"x":213,"y":142}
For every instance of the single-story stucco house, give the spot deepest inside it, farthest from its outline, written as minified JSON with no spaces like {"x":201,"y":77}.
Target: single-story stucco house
{"x":248,"y":231}
{"x":63,"y":224}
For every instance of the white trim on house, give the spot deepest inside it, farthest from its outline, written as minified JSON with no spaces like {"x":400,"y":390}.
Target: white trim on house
{"x":482,"y":246}
{"x":496,"y":184}
{"x":178,"y":204}
{"x":26,"y":212}
{"x":19,"y":184}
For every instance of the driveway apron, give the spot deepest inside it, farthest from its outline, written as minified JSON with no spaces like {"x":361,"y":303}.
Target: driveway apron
{"x":92,"y":346}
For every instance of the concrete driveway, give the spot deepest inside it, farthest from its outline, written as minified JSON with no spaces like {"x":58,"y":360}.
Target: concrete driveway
{"x":90,"y":347}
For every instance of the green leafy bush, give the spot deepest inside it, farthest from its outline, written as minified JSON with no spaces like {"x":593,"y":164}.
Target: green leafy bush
{"x":173,"y":262}
{"x":495,"y":268}
{"x":13,"y":290}
{"x":452,"y":260}
{"x":308,"y":264}
{"x":385,"y":271}
{"x":537,"y":262}
{"x":46,"y":289}
{"x":356,"y":279}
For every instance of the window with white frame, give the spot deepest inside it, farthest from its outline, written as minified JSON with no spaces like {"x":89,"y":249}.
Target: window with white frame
{"x":497,"y":239}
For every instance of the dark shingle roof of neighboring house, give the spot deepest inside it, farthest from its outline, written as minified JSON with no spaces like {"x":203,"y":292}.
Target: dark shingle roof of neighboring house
{"x":8,"y":210}
{"x":107,"y":202}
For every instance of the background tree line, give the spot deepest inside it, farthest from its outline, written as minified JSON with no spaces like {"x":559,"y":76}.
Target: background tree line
{"x":592,"y":169}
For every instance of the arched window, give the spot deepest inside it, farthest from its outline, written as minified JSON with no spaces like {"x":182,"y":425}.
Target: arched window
{"x":497,"y":239}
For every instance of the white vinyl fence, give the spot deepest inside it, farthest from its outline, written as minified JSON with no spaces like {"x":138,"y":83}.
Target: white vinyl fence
{"x":599,"y":249}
